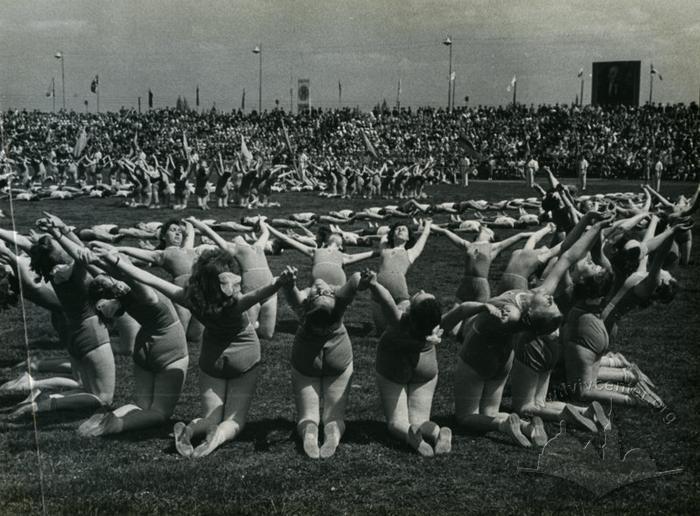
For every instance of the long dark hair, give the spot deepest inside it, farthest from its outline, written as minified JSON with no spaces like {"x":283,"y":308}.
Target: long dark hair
{"x":43,"y":258}
{"x":204,"y":288}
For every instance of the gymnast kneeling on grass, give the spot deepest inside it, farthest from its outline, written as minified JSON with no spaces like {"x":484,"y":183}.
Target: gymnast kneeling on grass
{"x":230,"y":352}
{"x":321,"y":362}
{"x":160,"y":352}
{"x":407,"y":369}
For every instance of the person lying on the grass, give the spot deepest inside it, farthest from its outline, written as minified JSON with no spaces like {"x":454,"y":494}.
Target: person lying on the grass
{"x":160,"y":353}
{"x":112,"y":233}
{"x":230,"y":353}
{"x":175,"y":254}
{"x":485,"y":360}
{"x":478,"y":257}
{"x":255,"y":273}
{"x":365,"y":237}
{"x":54,"y":259}
{"x":328,"y":258}
{"x":321,"y":362}
{"x":407,"y":369}
{"x":400,"y":250}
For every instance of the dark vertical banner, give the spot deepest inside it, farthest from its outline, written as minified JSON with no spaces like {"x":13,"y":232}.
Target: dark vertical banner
{"x":150,"y":99}
{"x":615,"y":83}
{"x":303,"y":101}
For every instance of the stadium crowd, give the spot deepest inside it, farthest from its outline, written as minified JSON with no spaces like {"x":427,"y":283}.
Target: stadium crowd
{"x":341,"y":151}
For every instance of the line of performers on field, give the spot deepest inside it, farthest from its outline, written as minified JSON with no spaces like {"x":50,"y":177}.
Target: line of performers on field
{"x":565,"y":298}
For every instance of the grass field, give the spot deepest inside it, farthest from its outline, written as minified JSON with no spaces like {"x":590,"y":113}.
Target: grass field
{"x":265,"y":471}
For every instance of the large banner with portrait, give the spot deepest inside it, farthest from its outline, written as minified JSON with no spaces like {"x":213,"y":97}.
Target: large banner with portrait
{"x":616,"y":82}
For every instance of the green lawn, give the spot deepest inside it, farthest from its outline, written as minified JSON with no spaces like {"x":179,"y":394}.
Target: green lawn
{"x":265,"y":471}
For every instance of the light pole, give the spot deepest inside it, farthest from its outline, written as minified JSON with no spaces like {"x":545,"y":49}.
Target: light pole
{"x":258,"y":50}
{"x":448,"y":44}
{"x":59,"y":55}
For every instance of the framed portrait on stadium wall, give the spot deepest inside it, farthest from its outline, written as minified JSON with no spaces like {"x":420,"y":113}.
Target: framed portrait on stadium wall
{"x":615,"y":83}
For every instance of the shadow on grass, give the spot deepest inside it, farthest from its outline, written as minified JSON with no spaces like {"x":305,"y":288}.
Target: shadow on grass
{"x":289,"y":326}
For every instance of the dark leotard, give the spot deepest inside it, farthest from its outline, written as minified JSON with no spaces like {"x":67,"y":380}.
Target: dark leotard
{"x":161,"y":339}
{"x":403,"y":358}
{"x":323,"y":351}
{"x":538,"y":353}
{"x":230,"y":347}
{"x":84,"y":330}
{"x":585,"y":329}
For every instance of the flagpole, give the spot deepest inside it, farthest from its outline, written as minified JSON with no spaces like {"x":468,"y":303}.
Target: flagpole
{"x":63,"y":82}
{"x":453,"y":94}
{"x":398,"y":96}
{"x":581,"y":96}
{"x":448,"y":43}
{"x":258,"y":50}
{"x":651,"y":83}
{"x":515,"y":91}
{"x":53,"y":93}
{"x":139,"y":102}
{"x":340,"y":95}
{"x":98,"y":97}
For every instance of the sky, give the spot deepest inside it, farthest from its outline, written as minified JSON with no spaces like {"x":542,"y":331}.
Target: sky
{"x":171,"y":46}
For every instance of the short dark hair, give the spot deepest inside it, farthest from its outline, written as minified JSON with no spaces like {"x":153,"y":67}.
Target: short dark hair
{"x":411,"y":235}
{"x":425,"y":316}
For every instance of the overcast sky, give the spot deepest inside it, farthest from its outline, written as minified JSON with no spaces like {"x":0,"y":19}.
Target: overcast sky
{"x":170,"y":46}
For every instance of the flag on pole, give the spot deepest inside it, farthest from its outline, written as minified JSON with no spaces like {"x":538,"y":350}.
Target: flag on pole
{"x":247,"y":155}
{"x":197,"y":97}
{"x":340,"y":89}
{"x":580,"y":73}
{"x":80,"y":143}
{"x":368,"y":145}
{"x":50,"y":92}
{"x":95,"y":84}
{"x":453,"y":76}
{"x":243,"y":100}
{"x":150,"y":99}
{"x":654,"y":71}
{"x":512,"y":84}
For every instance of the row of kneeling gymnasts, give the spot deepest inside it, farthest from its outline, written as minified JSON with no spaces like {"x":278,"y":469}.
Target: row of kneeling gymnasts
{"x":561,"y":299}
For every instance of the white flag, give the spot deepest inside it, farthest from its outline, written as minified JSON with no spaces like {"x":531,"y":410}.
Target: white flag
{"x":512,"y":84}
{"x":453,"y":76}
